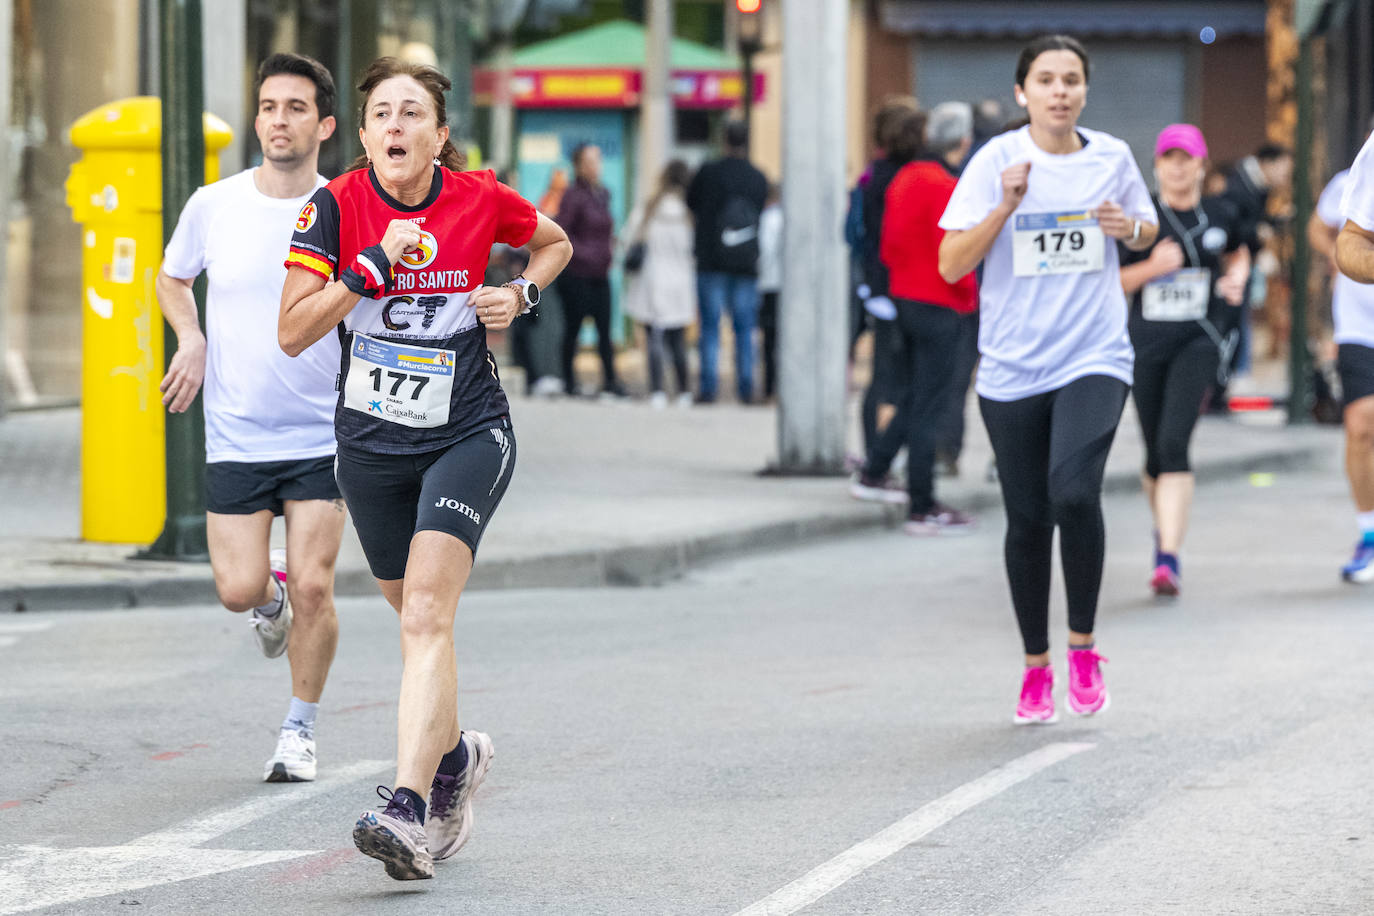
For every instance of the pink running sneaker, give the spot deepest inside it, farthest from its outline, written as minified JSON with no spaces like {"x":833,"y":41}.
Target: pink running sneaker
{"x":1165,"y":582}
{"x":1037,"y":698}
{"x":1087,"y":692}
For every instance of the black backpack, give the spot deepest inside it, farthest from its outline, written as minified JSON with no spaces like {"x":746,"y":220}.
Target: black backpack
{"x":738,"y":235}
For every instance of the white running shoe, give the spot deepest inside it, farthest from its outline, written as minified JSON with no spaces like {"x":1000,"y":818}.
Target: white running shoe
{"x":294,"y":760}
{"x":396,"y":839}
{"x":449,"y":823}
{"x":274,"y":632}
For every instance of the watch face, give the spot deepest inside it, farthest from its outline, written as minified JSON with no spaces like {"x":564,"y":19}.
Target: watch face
{"x":531,"y":293}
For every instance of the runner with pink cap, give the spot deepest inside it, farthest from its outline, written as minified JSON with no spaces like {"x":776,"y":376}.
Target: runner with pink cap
{"x":1186,"y":291}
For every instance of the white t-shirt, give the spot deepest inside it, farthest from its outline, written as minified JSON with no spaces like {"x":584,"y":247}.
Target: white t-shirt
{"x":260,"y":404}
{"x":1352,"y":304}
{"x":1052,"y":309}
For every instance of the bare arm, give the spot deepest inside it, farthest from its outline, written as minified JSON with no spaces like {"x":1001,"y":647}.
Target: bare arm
{"x":1322,"y":238}
{"x":1355,"y":252}
{"x":1231,"y":286}
{"x":961,"y":250}
{"x":186,"y":371}
{"x":1165,"y":259}
{"x":310,"y":308}
{"x":550,"y":250}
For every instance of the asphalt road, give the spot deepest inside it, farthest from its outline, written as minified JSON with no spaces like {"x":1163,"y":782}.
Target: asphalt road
{"x":824,"y":730}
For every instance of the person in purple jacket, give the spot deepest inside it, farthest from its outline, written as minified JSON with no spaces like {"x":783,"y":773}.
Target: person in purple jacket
{"x":585,"y":286}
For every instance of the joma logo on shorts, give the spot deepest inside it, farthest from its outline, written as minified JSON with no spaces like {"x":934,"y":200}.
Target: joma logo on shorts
{"x":445,"y":503}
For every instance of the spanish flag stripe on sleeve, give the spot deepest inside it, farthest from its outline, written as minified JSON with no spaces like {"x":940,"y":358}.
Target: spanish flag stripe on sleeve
{"x":310,"y":262}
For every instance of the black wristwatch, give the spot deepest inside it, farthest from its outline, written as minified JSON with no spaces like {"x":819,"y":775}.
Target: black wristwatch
{"x":529,"y":293}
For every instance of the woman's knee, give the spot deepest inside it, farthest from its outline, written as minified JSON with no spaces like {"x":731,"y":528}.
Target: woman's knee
{"x":425,"y":616}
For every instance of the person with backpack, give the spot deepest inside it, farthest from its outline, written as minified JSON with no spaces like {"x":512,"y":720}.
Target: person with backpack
{"x":726,"y":198}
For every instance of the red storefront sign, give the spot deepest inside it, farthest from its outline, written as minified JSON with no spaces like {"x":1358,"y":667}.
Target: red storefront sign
{"x":614,"y":88}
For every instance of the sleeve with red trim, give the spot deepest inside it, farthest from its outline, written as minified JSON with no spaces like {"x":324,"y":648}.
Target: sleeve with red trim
{"x":516,"y":217}
{"x":315,"y":244}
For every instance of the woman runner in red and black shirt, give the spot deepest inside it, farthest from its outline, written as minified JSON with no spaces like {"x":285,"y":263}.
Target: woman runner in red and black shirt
{"x":393,"y":255}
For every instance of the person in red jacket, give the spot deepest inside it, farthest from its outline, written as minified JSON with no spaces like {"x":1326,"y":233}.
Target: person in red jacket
{"x":928,"y":310}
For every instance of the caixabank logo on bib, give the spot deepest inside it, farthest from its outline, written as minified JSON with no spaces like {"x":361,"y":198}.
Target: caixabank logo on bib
{"x":307,"y":217}
{"x":423,"y":254}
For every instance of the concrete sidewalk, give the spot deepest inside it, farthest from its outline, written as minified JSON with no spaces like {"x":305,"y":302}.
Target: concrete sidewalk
{"x":603,"y":493}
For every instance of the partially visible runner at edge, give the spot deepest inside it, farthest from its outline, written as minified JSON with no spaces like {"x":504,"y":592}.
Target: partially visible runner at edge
{"x":1186,"y":291}
{"x":392,"y":255}
{"x":1038,"y":205}
{"x":269,"y":437}
{"x":1352,"y":311}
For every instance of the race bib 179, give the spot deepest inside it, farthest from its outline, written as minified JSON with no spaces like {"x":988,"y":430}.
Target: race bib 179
{"x":401,"y":384}
{"x":1056,"y":243}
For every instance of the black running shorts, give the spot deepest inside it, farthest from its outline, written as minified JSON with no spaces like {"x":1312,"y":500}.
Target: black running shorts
{"x":245,"y":487}
{"x":1355,"y":365}
{"x":454,"y":490}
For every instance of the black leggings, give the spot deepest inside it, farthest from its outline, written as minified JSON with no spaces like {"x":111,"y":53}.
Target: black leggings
{"x":674,"y":340}
{"x":1168,"y":396}
{"x":1051,"y":452}
{"x":586,"y":297}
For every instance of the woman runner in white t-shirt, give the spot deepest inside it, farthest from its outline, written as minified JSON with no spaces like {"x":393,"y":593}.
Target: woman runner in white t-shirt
{"x":1037,"y":205}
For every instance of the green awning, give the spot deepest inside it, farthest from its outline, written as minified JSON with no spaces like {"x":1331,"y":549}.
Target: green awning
{"x":619,"y":43}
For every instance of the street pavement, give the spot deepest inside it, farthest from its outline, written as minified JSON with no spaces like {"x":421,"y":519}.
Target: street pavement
{"x":820,"y":727}
{"x":603,"y":494}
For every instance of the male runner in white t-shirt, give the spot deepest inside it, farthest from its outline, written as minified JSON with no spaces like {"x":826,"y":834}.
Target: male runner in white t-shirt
{"x":269,"y":419}
{"x":1352,"y":308}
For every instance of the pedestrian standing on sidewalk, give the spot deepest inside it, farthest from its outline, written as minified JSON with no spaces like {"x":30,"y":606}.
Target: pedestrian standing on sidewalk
{"x":1038,"y":205}
{"x":726,"y":197}
{"x":1186,"y":292}
{"x":928,"y":310}
{"x":770,"y":285}
{"x":1347,"y":207}
{"x":585,"y":287}
{"x":269,"y":430}
{"x":899,"y":131}
{"x":661,"y":292}
{"x":425,"y":446}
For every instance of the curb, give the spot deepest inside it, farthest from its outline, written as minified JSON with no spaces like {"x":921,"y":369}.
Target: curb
{"x":630,"y":566}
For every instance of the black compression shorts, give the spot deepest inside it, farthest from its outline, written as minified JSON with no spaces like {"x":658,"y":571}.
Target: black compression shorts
{"x":454,"y":490}
{"x":1355,"y":365}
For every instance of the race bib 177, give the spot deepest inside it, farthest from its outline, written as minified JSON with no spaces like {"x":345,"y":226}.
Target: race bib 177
{"x":410,"y":386}
{"x":1056,"y":243}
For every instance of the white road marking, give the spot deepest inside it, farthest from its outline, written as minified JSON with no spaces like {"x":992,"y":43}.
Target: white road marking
{"x":10,"y":630}
{"x":25,"y":626}
{"x":823,"y":879}
{"x":34,"y":877}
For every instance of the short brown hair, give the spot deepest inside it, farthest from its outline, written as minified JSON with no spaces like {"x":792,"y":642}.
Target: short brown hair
{"x":434,"y":82}
{"x":300,"y":65}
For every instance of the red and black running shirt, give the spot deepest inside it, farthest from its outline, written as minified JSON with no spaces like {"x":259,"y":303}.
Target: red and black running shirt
{"x":464,"y":214}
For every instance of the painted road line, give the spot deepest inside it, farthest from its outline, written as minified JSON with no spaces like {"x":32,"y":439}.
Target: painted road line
{"x":24,"y":626}
{"x":271,"y":801}
{"x":35,"y":877}
{"x":823,"y":879}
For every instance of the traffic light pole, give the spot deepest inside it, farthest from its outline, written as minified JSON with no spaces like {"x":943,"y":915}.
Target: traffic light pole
{"x":183,"y":170}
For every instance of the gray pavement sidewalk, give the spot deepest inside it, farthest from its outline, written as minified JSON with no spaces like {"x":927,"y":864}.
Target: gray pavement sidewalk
{"x":603,"y":493}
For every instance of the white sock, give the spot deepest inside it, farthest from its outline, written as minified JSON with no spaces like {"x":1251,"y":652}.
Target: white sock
{"x":1366,"y":523}
{"x":273,"y":608}
{"x":301,"y":716}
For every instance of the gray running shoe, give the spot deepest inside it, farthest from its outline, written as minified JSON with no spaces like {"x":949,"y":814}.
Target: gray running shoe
{"x":450,"y":798}
{"x":294,"y":760}
{"x":274,"y":632}
{"x":396,"y":838}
